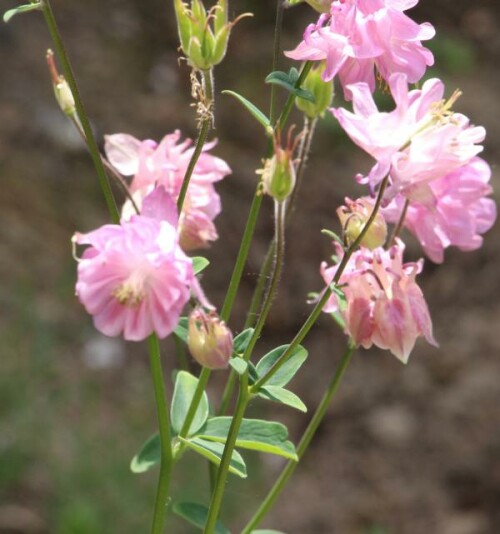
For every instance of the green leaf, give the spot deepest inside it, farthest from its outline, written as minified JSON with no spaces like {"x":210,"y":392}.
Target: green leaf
{"x":283,"y":396}
{"x":213,"y":452}
{"x":266,"y":531}
{"x":288,"y":81}
{"x":148,"y":456}
{"x":254,"y":110}
{"x":287,"y":370}
{"x":21,"y":9}
{"x":199,"y":264}
{"x":197,"y":515}
{"x":254,"y":434}
{"x":185,"y":386}
{"x":181,"y":330}
{"x":242,"y":340}
{"x":239,"y":365}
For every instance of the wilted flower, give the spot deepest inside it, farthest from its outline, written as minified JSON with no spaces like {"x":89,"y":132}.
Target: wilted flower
{"x":421,"y":140}
{"x":353,"y":218}
{"x":384,"y":305}
{"x":134,"y":278}
{"x":209,"y":339}
{"x":456,"y":213}
{"x":359,"y":36}
{"x":165,"y":164}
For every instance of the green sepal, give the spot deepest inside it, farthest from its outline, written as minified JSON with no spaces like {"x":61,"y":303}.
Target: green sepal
{"x":199,"y":264}
{"x":213,"y":451}
{"x":254,"y":434}
{"x":197,"y":515}
{"x":185,"y":386}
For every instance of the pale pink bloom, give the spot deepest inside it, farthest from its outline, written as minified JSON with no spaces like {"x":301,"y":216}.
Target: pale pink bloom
{"x":421,"y":140}
{"x":165,"y":164}
{"x":359,"y":36}
{"x":455,"y":215}
{"x":384,"y":305}
{"x":134,"y":279}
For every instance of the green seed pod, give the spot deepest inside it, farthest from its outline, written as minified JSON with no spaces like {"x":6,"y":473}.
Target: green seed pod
{"x":322,"y":92}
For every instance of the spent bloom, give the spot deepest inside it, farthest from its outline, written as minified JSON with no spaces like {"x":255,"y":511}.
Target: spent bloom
{"x":421,"y":140}
{"x":165,"y":163}
{"x":456,"y":213}
{"x":210,"y":341}
{"x":358,"y":36}
{"x":384,"y":305}
{"x":134,"y":279}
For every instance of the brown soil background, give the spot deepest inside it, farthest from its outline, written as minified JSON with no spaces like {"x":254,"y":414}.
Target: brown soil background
{"x":404,"y":450}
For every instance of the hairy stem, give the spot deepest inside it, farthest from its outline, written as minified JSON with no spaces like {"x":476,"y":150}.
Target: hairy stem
{"x":162,"y":490}
{"x":202,"y":136}
{"x":82,"y":115}
{"x":311,"y":429}
{"x":313,"y":316}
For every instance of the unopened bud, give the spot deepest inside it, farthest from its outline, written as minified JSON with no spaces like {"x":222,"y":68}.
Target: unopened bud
{"x":321,"y":90}
{"x":62,"y":91}
{"x":209,"y":339}
{"x":278,"y":176}
{"x":353,"y":218}
{"x":204,"y":35}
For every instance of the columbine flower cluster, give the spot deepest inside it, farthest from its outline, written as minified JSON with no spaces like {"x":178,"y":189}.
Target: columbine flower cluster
{"x":357,"y":37}
{"x":165,"y":163}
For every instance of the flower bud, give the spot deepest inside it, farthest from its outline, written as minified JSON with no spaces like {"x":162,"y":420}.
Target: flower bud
{"x":322,"y":92}
{"x":62,"y":91}
{"x":209,"y":339}
{"x":353,"y":217}
{"x":203,"y":35}
{"x":278,"y":176}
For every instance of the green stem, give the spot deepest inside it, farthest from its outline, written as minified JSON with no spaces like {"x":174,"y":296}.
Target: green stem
{"x":276,"y":56}
{"x":162,"y":490}
{"x":82,"y":115}
{"x":243,"y":396}
{"x":202,"y":137}
{"x":311,"y":429}
{"x":313,"y":316}
{"x":399,"y":226}
{"x":280,"y":123}
{"x":200,"y":388}
{"x":222,"y":472}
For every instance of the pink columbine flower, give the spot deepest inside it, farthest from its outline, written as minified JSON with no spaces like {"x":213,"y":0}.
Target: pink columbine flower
{"x":134,"y":278}
{"x":358,"y":36}
{"x":457,"y":213}
{"x":421,"y":140}
{"x":384,"y":305}
{"x":165,"y":164}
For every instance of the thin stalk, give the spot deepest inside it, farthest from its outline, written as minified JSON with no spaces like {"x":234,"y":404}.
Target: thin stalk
{"x":162,"y":490}
{"x":82,"y":115}
{"x":309,"y":322}
{"x":244,"y":396}
{"x":200,"y":388}
{"x":181,"y":354}
{"x":276,"y":55}
{"x":302,"y":156}
{"x":399,"y":226}
{"x":202,"y":137}
{"x":309,"y":433}
{"x":112,"y":172}
{"x":222,"y":472}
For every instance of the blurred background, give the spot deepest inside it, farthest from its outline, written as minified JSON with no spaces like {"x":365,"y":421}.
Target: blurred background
{"x":404,"y":450}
